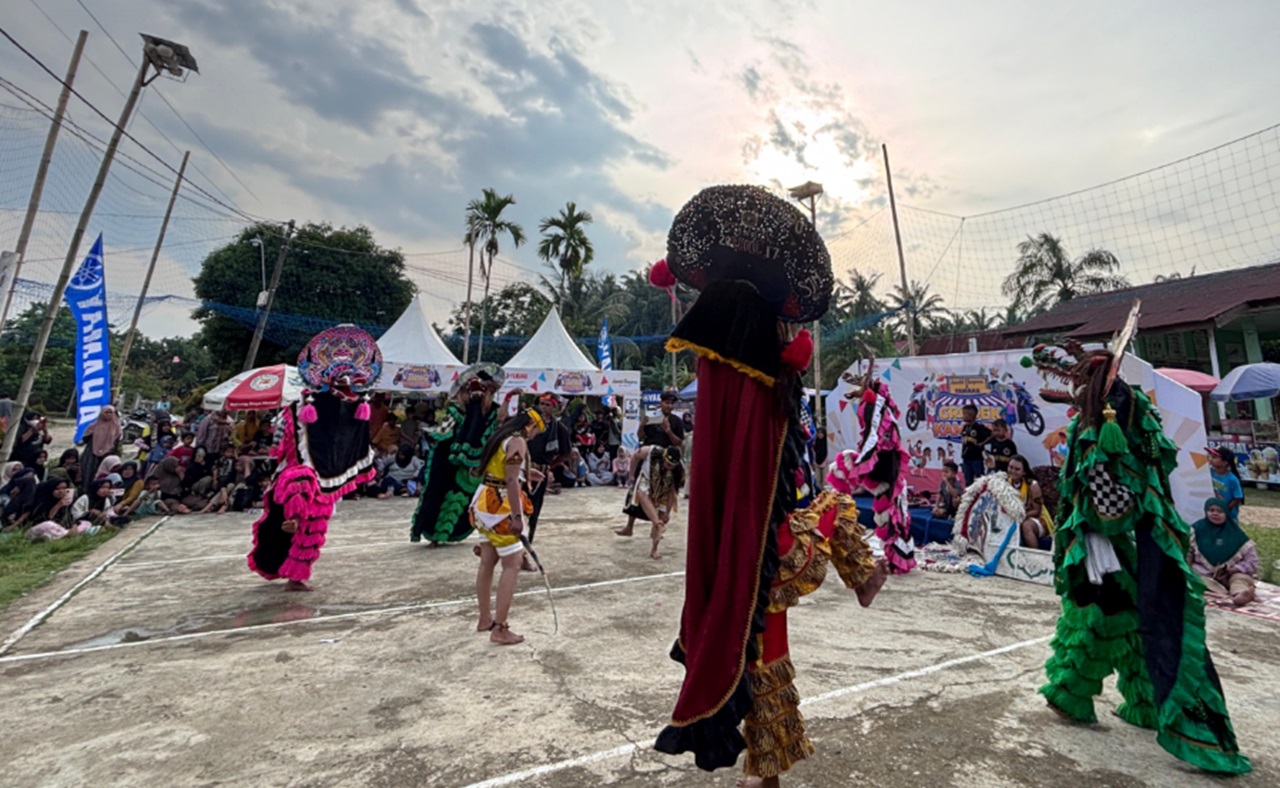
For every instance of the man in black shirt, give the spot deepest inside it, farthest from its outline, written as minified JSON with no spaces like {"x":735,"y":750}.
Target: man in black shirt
{"x":548,"y":450}
{"x":973,"y":436}
{"x":1001,"y":447}
{"x":668,"y":430}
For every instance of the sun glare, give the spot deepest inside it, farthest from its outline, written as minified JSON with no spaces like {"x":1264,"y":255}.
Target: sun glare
{"x":811,"y":143}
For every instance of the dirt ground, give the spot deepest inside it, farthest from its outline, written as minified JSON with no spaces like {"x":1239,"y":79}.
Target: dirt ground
{"x":177,"y":666}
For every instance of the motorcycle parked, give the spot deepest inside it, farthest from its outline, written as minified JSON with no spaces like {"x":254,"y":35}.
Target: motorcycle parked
{"x":137,"y":425}
{"x":917,"y":410}
{"x":1027,"y":410}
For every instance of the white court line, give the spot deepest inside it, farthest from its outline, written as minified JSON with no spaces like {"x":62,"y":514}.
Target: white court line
{"x":628,"y":749}
{"x":39,"y":618}
{"x":241,"y":555}
{"x":323,"y":619}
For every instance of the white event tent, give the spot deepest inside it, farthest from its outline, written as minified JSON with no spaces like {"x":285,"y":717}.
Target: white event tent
{"x":550,"y":361}
{"x":414,"y":357}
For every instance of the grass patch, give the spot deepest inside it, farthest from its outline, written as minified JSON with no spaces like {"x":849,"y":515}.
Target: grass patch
{"x":1256,"y":497}
{"x":26,"y":565}
{"x":1268,"y":541}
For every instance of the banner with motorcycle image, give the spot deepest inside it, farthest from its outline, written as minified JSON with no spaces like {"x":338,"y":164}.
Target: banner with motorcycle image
{"x":931,"y":391}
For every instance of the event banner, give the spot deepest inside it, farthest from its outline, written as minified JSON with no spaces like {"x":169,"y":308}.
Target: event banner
{"x":86,"y":294}
{"x":931,"y":392}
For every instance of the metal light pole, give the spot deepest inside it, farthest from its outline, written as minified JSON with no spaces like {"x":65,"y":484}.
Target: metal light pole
{"x":37,"y":188}
{"x":151,"y":269}
{"x":262,"y":262}
{"x":812,"y":191}
{"x":158,"y":54}
{"x":251,"y":357}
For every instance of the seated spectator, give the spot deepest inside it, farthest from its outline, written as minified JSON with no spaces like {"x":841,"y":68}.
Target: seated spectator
{"x":1223,"y":554}
{"x":53,"y":500}
{"x":170,"y":474}
{"x":622,"y":467}
{"x":198,"y":476}
{"x":40,"y":465}
{"x":574,"y":472}
{"x":599,"y":466}
{"x":400,"y":474}
{"x":68,"y":468}
{"x":130,"y":483}
{"x":185,"y":450}
{"x":1037,"y":529}
{"x":949,"y":492}
{"x":387,"y":440}
{"x":21,"y":500}
{"x":150,"y":502}
{"x":96,"y":506}
{"x":246,"y":431}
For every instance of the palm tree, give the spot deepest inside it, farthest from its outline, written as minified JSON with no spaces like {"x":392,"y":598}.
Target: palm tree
{"x":565,"y":244}
{"x":922,"y":308}
{"x":485,"y":226}
{"x":1046,"y":275}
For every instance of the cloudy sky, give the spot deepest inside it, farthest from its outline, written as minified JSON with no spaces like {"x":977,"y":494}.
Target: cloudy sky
{"x":393,"y":113}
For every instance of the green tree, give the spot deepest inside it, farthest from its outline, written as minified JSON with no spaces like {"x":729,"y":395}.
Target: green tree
{"x":330,"y":276}
{"x":1045,"y":275}
{"x":514,"y":311}
{"x":55,"y":383}
{"x":565,"y":243}
{"x":485,"y":228}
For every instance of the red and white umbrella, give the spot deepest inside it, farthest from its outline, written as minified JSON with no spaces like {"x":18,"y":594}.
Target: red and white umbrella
{"x":1192,"y":379}
{"x":264,"y":388}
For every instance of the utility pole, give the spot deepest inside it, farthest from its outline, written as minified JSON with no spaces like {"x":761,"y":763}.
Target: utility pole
{"x":812,"y":191}
{"x":157,"y":53}
{"x":37,"y":189}
{"x":151,"y":269}
{"x":251,"y":359}
{"x":902,"y":261}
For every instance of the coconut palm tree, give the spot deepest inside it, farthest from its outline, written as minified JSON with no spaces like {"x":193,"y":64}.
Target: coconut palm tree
{"x":922,"y":308}
{"x":1046,"y":275}
{"x":565,"y":244}
{"x":485,"y":226}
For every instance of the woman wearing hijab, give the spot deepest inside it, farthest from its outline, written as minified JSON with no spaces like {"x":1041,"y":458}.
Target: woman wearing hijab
{"x":109,"y":465}
{"x":53,"y":501}
{"x":1223,"y":554}
{"x":68,"y":468}
{"x":101,"y":440}
{"x":95,"y":506}
{"x":246,"y":430}
{"x":131,"y":482}
{"x":21,"y":500}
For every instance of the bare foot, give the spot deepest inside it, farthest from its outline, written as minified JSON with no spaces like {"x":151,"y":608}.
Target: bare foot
{"x":624,"y":532}
{"x":474,"y":551}
{"x":527,"y":565}
{"x":484,"y":626}
{"x":503,"y":636}
{"x":289,"y":526}
{"x":868,"y":590}
{"x":382,"y":496}
{"x":1243,"y":598}
{"x":296,"y":585}
{"x":656,"y":537}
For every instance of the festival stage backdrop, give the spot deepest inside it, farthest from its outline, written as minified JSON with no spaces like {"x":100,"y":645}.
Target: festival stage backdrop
{"x":930,"y":392}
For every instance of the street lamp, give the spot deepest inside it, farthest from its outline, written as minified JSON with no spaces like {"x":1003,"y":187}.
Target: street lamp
{"x":262,"y":259}
{"x":163,"y":56}
{"x":812,"y":191}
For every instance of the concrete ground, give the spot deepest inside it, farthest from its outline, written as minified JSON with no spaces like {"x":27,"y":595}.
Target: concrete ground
{"x":177,"y":666}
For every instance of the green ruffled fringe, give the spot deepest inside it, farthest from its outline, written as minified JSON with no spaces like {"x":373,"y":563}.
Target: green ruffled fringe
{"x":1088,"y":645}
{"x":453,"y":522}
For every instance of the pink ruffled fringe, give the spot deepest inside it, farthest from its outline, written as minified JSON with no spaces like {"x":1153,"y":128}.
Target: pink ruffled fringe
{"x":889,"y":501}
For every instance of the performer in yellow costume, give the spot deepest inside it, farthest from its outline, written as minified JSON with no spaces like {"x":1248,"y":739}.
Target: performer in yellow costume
{"x":505,"y":460}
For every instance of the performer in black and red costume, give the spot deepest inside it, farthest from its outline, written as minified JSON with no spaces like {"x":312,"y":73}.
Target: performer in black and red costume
{"x":323,"y":454}
{"x":752,"y":553}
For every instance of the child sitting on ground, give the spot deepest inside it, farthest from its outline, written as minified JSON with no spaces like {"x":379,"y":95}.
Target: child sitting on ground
{"x":150,"y":502}
{"x":622,"y":468}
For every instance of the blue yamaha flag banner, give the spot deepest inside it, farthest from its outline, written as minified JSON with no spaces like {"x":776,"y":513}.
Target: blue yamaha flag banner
{"x":604,"y":353}
{"x":86,"y":294}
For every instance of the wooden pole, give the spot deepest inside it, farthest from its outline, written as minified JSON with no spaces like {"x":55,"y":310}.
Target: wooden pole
{"x":37,"y":189}
{"x":73,"y":249}
{"x":821,"y":415}
{"x":466,"y":311}
{"x":151,"y":269}
{"x":902,"y":261}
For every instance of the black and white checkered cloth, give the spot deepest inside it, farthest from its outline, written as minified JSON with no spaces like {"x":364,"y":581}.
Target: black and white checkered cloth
{"x":1110,"y":499}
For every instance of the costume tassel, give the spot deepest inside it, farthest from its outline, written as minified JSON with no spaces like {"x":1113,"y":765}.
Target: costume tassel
{"x":308,"y":413}
{"x":363,"y":412}
{"x":1111,"y":438}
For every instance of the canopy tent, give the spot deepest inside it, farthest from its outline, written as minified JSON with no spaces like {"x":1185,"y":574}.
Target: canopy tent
{"x":551,"y":347}
{"x":1192,"y":379}
{"x":264,"y":388}
{"x":414,"y":357}
{"x":551,"y":362}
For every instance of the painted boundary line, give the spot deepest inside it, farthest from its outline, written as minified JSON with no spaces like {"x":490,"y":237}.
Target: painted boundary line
{"x":629,"y":749}
{"x":314,"y":620}
{"x":242,"y":554}
{"x":39,"y":618}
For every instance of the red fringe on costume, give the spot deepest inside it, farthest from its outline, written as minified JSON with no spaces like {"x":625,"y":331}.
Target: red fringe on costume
{"x":853,"y":471}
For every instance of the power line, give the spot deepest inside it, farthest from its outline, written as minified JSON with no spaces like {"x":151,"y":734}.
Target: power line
{"x":172,"y":109}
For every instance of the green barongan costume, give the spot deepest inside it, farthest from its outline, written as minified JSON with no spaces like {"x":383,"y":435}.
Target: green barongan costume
{"x":454,"y":450}
{"x":1146,"y":621}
